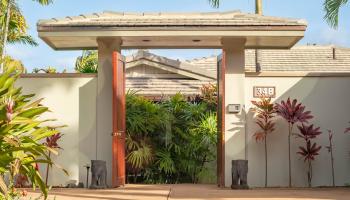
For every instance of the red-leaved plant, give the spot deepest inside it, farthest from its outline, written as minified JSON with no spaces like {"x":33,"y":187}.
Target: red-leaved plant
{"x":330,"y":150}
{"x":52,"y":142}
{"x":347,"y":130}
{"x":293,"y":112}
{"x":311,"y":150}
{"x":265,"y":113}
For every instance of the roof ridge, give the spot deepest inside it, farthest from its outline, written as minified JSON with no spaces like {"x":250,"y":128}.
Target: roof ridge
{"x":319,"y":46}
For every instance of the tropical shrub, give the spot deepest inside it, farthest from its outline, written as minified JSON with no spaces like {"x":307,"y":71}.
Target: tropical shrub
{"x":48,"y":70}
{"x":171,"y":141}
{"x":209,"y":95}
{"x":265,"y":112}
{"x":311,"y":149}
{"x":347,"y":130}
{"x":142,"y":121}
{"x":9,"y":61}
{"x":293,"y":112}
{"x":21,"y":135}
{"x":87,"y":62}
{"x":52,"y":143}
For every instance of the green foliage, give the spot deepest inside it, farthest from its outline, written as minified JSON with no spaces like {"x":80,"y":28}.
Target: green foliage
{"x":332,"y":8}
{"x":170,"y":141}
{"x":214,"y":3}
{"x":8,"y":60}
{"x":17,"y":27}
{"x":21,"y":135}
{"x":87,"y":62}
{"x":48,"y":70}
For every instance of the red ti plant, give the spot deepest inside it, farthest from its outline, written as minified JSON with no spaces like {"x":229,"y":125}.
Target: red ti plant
{"x":347,"y":130}
{"x":312,"y":149}
{"x":52,"y":142}
{"x":293,"y":112}
{"x":265,"y":113}
{"x":330,"y":150}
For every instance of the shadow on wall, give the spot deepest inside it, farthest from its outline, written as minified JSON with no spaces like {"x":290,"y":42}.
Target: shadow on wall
{"x":59,"y":95}
{"x":87,"y":127}
{"x":328,"y":100}
{"x":235,"y":146}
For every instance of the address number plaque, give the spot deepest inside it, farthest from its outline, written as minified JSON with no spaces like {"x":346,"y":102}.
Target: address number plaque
{"x":264,"y":91}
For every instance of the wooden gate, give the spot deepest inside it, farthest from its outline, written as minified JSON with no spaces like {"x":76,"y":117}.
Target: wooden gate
{"x":119,"y":127}
{"x":221,"y":70}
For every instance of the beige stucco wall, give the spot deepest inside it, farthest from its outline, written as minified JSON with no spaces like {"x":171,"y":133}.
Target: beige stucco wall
{"x":328,"y":99}
{"x":72,"y":101}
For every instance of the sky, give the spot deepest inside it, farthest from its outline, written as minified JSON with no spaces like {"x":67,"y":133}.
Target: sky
{"x":318,"y":31}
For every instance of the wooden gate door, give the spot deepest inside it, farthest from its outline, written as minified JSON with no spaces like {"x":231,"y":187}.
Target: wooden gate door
{"x":221,"y":70}
{"x":119,"y":114}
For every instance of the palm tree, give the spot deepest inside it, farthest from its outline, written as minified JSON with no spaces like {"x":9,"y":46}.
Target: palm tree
{"x":17,"y":29}
{"x":13,"y":24}
{"x":332,"y":8}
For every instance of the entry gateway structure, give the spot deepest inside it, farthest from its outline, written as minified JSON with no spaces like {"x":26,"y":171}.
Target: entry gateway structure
{"x":110,"y":32}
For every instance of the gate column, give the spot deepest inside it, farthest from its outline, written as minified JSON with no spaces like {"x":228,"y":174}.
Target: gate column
{"x":106,"y":47}
{"x":233,"y":134}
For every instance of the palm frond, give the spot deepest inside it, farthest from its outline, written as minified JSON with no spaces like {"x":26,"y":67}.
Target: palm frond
{"x":332,"y":8}
{"x":23,"y":39}
{"x":44,"y":2}
{"x":214,"y":3}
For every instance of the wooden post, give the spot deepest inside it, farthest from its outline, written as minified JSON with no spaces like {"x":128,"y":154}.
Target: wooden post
{"x":221,"y":121}
{"x":118,"y":144}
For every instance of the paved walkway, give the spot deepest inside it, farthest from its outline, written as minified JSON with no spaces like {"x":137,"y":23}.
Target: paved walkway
{"x":197,"y":192}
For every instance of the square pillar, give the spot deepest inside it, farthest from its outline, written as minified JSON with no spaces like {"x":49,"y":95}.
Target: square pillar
{"x":106,"y":47}
{"x":234,"y":129}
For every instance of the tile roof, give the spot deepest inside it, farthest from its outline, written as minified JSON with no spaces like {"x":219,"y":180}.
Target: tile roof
{"x":121,"y":19}
{"x":176,"y":64}
{"x":310,"y":58}
{"x":302,"y":58}
{"x":306,"y":58}
{"x":160,"y":87}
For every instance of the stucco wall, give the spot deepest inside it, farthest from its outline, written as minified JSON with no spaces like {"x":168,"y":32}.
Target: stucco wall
{"x":328,"y":99}
{"x":72,"y":100}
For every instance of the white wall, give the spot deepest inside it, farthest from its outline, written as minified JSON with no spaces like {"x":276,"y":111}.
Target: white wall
{"x":72,"y":101}
{"x":328,"y":99}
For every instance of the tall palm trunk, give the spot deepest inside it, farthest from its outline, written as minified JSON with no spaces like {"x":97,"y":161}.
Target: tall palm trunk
{"x":5,"y":33}
{"x":258,"y":7}
{"x":258,"y":10}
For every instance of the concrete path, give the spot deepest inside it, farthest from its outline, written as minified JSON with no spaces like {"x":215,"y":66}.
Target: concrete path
{"x":197,"y":192}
